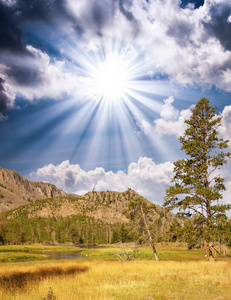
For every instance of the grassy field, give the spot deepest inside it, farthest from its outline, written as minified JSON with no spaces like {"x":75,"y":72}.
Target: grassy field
{"x":100,"y":276}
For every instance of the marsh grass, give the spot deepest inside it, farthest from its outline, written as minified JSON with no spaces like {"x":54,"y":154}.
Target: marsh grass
{"x":99,"y":276}
{"x":164,"y":253}
{"x":15,"y":256}
{"x":113,"y":280}
{"x":18,"y":281}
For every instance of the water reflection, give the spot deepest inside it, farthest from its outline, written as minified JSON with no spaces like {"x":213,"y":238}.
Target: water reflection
{"x":59,"y":254}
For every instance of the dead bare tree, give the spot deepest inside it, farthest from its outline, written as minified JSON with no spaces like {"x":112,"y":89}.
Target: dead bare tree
{"x":125,"y":254}
{"x":140,"y":212}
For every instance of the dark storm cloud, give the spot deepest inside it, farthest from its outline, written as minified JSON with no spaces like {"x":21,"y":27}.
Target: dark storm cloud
{"x":45,"y":11}
{"x":13,"y":17}
{"x":123,"y":7}
{"x":180,"y":31}
{"x":99,"y":15}
{"x":25,"y":76}
{"x":125,"y":12}
{"x":219,"y":26}
{"x":10,"y":34}
{"x":95,"y":17}
{"x":14,"y":20}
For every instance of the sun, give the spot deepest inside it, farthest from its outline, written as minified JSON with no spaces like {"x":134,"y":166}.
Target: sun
{"x":111,"y":78}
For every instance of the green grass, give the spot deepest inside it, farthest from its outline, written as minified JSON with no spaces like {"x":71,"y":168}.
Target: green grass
{"x":164,"y":253}
{"x":16,"y":256}
{"x":180,"y":274}
{"x":108,"y":252}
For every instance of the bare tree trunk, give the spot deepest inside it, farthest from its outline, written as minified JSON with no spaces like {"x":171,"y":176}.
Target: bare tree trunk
{"x":205,"y":247}
{"x":219,"y":245}
{"x":155,"y":253}
{"x":211,"y":245}
{"x":211,"y":251}
{"x":149,"y":235}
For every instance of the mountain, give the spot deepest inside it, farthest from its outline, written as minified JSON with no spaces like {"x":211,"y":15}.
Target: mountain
{"x":105,"y":206}
{"x":96,"y":217}
{"x":16,"y":190}
{"x":40,"y":212}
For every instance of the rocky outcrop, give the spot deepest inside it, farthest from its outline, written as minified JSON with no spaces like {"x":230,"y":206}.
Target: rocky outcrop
{"x":16,"y":190}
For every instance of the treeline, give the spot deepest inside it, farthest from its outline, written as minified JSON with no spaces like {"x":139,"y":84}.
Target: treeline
{"x":192,"y":233}
{"x":76,"y":229}
{"x":81,"y":229}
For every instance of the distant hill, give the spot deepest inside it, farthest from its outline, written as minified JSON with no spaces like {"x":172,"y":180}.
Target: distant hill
{"x":104,"y":206}
{"x":40,"y":212}
{"x":16,"y":190}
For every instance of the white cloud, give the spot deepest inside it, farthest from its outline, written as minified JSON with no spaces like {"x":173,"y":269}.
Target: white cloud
{"x":225,"y":128}
{"x":183,"y":43}
{"x":186,"y":44}
{"x":168,"y":112}
{"x":145,"y":177}
{"x":52,"y":79}
{"x":171,"y":121}
{"x":177,"y":43}
{"x":148,"y":179}
{"x":145,"y":127}
{"x":225,"y":172}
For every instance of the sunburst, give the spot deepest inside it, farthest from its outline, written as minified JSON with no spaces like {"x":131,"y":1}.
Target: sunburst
{"x":110,"y":80}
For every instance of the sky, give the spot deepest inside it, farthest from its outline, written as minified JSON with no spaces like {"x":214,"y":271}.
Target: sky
{"x":94,"y":93}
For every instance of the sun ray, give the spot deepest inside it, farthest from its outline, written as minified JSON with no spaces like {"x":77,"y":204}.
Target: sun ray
{"x":98,"y":123}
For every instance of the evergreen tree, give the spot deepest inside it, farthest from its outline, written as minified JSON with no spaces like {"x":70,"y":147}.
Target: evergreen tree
{"x":198,"y":186}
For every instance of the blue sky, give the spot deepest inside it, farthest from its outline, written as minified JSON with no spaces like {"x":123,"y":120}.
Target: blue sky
{"x":93,"y":94}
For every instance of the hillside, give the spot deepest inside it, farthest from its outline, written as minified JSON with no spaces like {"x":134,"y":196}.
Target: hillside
{"x":93,"y":218}
{"x":104,"y":206}
{"x":40,"y":212}
{"x":16,"y":190}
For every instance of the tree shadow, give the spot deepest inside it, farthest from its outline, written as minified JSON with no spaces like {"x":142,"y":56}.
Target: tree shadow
{"x":20,"y":280}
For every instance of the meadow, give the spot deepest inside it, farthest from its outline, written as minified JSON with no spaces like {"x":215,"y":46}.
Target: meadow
{"x":180,"y":274}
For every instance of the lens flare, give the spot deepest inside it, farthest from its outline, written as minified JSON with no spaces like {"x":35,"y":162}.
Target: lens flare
{"x":111,"y":79}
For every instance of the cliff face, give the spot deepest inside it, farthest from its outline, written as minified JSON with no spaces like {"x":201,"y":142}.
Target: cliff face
{"x":16,"y":190}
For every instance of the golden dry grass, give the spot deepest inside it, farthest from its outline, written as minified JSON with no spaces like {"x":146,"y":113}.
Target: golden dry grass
{"x":114,"y":280}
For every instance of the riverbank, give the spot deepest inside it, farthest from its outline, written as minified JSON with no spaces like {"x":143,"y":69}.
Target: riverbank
{"x":100,"y":252}
{"x":10,"y":253}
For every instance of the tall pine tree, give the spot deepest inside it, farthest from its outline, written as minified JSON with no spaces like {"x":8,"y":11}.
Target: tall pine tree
{"x":198,"y":186}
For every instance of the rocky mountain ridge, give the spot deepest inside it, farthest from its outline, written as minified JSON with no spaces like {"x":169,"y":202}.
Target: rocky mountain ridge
{"x":16,"y":190}
{"x":40,"y":199}
{"x":105,"y":206}
{"x":40,"y":212}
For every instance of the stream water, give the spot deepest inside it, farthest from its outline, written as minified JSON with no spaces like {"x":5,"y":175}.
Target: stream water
{"x":59,"y":254}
